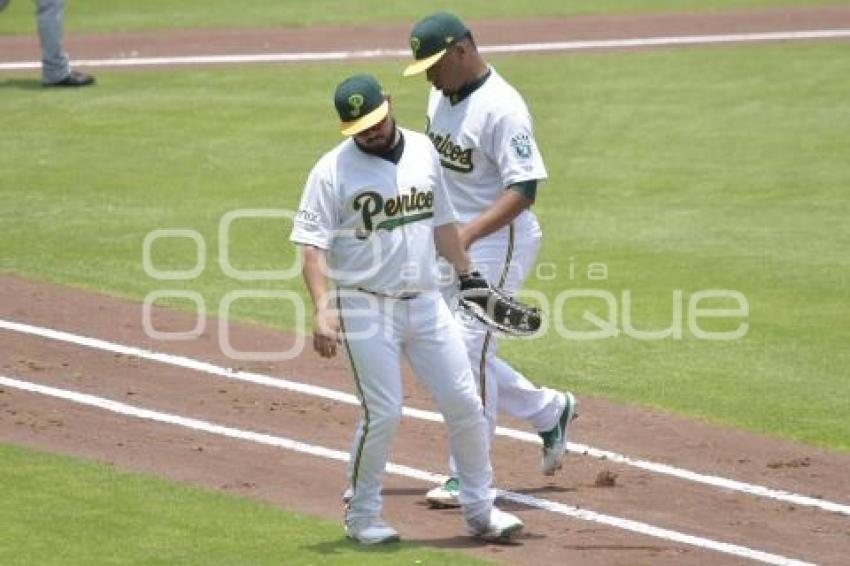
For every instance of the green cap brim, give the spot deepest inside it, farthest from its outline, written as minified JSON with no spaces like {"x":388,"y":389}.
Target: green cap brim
{"x":418,"y":66}
{"x":367,"y":121}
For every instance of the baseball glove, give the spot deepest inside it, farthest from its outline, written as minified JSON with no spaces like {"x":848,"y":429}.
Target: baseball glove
{"x":495,"y":308}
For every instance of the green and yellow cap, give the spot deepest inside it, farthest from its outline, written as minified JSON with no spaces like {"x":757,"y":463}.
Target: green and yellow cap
{"x":430,"y":39}
{"x":360,"y":103}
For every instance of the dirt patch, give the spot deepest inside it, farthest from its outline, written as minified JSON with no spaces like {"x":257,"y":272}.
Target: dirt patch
{"x":605,"y":478}
{"x":795,"y":463}
{"x":315,"y":485}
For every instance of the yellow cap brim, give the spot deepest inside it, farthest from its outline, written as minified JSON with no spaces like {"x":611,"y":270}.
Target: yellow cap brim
{"x":418,"y":66}
{"x":367,"y":121}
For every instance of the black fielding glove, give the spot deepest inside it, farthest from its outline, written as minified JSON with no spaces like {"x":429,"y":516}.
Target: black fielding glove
{"x":495,"y":308}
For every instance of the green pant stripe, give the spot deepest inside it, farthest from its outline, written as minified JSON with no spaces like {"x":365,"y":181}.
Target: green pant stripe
{"x":482,"y":368}
{"x":509,"y":255}
{"x":356,"y":467}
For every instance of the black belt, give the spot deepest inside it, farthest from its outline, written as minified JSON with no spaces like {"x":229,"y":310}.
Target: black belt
{"x":403,"y":296}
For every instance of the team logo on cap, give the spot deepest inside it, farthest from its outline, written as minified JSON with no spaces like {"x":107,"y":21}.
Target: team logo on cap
{"x":415,"y":44}
{"x":355,"y":102}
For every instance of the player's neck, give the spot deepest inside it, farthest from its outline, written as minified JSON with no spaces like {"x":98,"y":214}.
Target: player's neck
{"x":470,"y":86}
{"x":478,"y":68}
{"x":386,"y":149}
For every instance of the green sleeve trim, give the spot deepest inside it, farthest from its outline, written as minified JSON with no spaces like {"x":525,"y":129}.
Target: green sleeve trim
{"x":528,"y":189}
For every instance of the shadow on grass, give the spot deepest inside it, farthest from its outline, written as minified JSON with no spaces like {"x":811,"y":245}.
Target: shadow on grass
{"x":460,"y":542}
{"x":21,"y":84}
{"x":345,"y":546}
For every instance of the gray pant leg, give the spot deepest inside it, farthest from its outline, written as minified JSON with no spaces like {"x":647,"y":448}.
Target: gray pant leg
{"x":54,"y":62}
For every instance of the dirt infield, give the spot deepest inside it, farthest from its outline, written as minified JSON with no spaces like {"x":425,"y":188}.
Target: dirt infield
{"x":313,"y":484}
{"x":330,"y":38}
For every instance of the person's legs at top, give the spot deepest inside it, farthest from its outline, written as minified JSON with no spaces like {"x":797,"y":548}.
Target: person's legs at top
{"x":55,"y":65}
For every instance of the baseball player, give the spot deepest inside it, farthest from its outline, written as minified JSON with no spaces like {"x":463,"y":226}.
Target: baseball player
{"x":372,"y":218}
{"x":483,"y":133}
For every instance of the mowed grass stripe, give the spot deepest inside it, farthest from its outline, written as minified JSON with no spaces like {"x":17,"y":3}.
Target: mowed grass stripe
{"x":62,"y":510}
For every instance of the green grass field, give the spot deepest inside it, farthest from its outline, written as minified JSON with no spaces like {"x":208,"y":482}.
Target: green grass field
{"x":125,"y":15}
{"x":721,"y":168}
{"x":681,"y":170}
{"x":59,"y":510}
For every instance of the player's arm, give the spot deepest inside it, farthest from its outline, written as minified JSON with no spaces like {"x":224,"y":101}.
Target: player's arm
{"x":512,"y":147}
{"x":447,"y":241}
{"x":313,"y":229}
{"x":508,"y":206}
{"x":325,"y":321}
{"x":446,"y":231}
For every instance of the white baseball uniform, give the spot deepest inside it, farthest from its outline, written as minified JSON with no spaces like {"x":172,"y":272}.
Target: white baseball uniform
{"x":376,"y":219}
{"x":485,"y":140}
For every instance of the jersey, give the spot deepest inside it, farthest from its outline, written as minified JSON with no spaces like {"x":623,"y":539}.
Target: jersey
{"x":485,"y":140}
{"x":374,"y":217}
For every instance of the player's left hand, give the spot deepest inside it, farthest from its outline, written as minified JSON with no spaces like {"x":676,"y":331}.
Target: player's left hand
{"x":325,"y":333}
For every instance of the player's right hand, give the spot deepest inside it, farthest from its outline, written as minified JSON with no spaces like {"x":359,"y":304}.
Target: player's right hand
{"x":325,"y":333}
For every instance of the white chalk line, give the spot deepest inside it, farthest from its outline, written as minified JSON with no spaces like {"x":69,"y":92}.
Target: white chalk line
{"x":396,"y":469}
{"x":342,"y":397}
{"x":396,"y":53}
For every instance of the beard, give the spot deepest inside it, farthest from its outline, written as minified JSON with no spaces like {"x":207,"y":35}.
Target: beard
{"x":377,"y":146}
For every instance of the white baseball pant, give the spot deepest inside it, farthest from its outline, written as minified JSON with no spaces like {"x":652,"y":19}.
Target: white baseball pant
{"x":377,"y":331}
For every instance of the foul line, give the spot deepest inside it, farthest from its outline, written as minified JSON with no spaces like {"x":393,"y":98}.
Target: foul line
{"x":396,"y":53}
{"x":342,"y":397}
{"x":396,"y":469}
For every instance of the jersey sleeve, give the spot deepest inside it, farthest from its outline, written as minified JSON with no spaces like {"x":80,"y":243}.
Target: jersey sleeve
{"x":515,"y":151}
{"x":444,"y":212}
{"x":316,"y":218}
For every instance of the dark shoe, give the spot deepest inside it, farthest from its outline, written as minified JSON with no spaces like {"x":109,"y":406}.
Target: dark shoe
{"x":74,"y":78}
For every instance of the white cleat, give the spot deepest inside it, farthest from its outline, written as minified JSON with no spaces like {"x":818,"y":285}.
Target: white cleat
{"x":347,"y":495}
{"x":555,"y":440}
{"x":498,"y":527}
{"x":444,"y":496}
{"x":370,"y":530}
